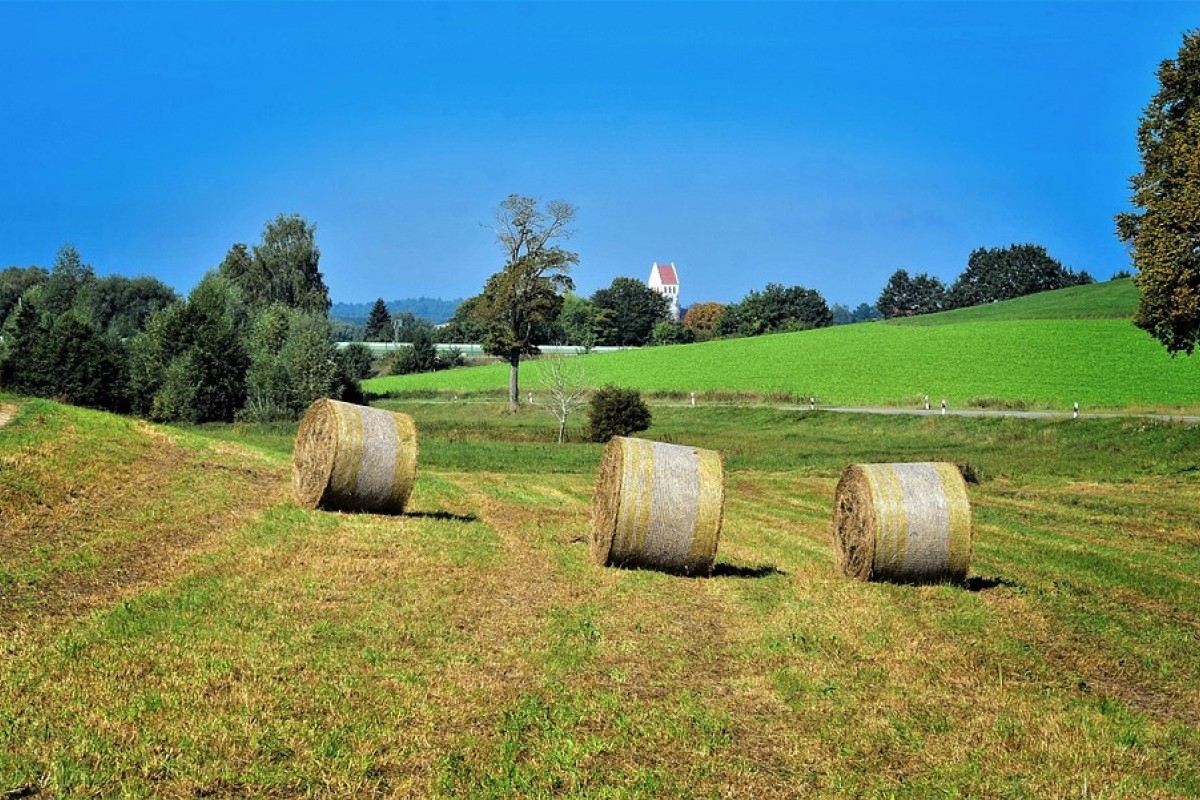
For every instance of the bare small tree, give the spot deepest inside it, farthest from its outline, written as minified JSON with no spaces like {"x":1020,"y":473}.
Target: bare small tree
{"x":565,"y":380}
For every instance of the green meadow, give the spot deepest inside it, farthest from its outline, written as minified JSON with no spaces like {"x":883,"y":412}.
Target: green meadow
{"x":172,"y":625}
{"x":1047,"y":351}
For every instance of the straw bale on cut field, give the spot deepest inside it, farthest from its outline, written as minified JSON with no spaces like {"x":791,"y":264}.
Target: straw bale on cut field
{"x":658,"y":506}
{"x":908,"y":523}
{"x":354,"y":458}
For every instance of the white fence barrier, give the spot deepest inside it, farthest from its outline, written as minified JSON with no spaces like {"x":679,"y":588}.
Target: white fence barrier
{"x":476,"y":350}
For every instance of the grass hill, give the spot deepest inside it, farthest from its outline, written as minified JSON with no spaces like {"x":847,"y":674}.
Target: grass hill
{"x":1116,"y":299}
{"x":1044,"y":351}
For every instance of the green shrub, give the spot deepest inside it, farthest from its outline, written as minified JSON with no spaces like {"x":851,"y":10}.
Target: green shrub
{"x":420,"y":356}
{"x":614,"y":411}
{"x":671,"y":332}
{"x":356,"y":360}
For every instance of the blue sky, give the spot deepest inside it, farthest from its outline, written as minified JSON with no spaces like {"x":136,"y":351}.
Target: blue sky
{"x":818,"y":144}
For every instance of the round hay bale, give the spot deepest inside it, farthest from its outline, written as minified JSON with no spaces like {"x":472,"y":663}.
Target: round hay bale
{"x":354,"y":458}
{"x":658,"y":506}
{"x":908,"y":523}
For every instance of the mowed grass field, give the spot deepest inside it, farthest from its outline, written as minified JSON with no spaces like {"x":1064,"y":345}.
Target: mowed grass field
{"x":172,"y":625}
{"x":1046,"y":351}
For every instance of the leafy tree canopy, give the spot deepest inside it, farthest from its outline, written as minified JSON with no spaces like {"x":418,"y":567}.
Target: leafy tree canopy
{"x":582,"y":322}
{"x":83,"y":367}
{"x":283,"y":268}
{"x":190,"y":362}
{"x":776,"y":309}
{"x":864,"y":312}
{"x":67,"y":279}
{"x":406,"y":327}
{"x":120,"y":306}
{"x":1003,"y":273}
{"x":702,"y":319}
{"x":464,"y":327}
{"x":905,"y":296}
{"x":14,"y":282}
{"x":1163,"y":234}
{"x":633,"y":311}
{"x":519,"y":302}
{"x":669,"y":331}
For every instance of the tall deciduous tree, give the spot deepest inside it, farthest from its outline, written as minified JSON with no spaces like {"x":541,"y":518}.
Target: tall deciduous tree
{"x":1164,"y":235}
{"x":905,"y":296}
{"x":190,"y":362}
{"x":702,"y":319}
{"x":527,"y":294}
{"x":283,"y":268}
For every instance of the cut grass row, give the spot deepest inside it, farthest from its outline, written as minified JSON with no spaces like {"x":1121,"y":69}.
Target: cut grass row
{"x":471,"y":649}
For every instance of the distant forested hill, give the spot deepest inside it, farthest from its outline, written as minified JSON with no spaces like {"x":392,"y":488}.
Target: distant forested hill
{"x":434,"y":309}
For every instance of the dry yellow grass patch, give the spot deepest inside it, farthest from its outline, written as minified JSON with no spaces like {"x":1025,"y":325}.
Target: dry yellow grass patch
{"x":132,"y":524}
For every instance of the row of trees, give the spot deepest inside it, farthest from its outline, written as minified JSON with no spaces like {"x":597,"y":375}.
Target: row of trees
{"x":992,"y":274}
{"x":251,"y":341}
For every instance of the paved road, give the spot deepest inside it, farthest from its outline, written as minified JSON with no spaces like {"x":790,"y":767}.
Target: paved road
{"x":920,"y":412}
{"x":979,"y":412}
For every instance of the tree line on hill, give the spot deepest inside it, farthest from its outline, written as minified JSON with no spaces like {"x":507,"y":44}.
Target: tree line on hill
{"x":252,"y":341}
{"x":352,"y":317}
{"x":992,"y":274}
{"x":627,"y":313}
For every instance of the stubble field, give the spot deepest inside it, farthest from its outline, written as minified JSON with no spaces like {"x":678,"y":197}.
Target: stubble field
{"x":174,"y":626}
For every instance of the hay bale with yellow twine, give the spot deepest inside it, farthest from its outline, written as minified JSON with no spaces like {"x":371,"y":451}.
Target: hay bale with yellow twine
{"x":658,"y":506}
{"x":907,"y":523}
{"x":354,"y":458}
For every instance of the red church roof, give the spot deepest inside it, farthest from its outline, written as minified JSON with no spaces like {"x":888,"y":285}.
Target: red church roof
{"x":666,"y":274}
